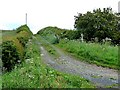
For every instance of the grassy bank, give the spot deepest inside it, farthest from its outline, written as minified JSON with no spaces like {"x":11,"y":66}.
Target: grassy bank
{"x":13,"y":45}
{"x":103,"y":55}
{"x":33,"y":73}
{"x":19,"y":37}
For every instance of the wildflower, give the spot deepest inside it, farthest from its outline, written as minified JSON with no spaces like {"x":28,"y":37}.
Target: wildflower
{"x":19,"y":61}
{"x":30,"y":76}
{"x":27,"y":60}
{"x":42,"y":54}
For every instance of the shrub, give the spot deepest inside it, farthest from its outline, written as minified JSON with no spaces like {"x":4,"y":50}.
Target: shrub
{"x":10,"y":55}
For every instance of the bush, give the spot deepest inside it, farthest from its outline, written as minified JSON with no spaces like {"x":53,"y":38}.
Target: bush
{"x":10,"y":55}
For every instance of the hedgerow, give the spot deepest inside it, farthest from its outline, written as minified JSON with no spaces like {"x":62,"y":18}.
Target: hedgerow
{"x":10,"y":55}
{"x":13,"y":46}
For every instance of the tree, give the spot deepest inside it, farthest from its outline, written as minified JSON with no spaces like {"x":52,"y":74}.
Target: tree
{"x":99,"y":23}
{"x":84,"y":23}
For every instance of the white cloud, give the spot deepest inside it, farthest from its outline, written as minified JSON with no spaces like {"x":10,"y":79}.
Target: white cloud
{"x":42,"y":13}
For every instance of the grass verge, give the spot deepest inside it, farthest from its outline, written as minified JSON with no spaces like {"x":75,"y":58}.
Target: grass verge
{"x":33,"y":73}
{"x":103,"y":55}
{"x":48,"y":46}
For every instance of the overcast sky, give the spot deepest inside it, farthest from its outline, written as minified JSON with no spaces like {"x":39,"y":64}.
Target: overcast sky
{"x":43,"y":13}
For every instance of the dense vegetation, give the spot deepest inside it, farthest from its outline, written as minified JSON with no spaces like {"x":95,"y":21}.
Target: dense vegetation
{"x":100,"y":54}
{"x":20,"y":46}
{"x":100,"y":24}
{"x":10,"y":55}
{"x":33,"y":73}
{"x":58,"y":34}
{"x":13,"y":45}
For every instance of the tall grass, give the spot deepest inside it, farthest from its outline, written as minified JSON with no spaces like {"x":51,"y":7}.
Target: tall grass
{"x":33,"y":73}
{"x":103,"y":55}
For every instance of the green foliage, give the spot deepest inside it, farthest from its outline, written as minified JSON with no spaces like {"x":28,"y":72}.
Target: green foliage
{"x":71,"y":34}
{"x":99,"y":24}
{"x":10,"y":55}
{"x":103,"y":55}
{"x":48,"y":46}
{"x":52,"y":38}
{"x":54,"y":34}
{"x":33,"y":73}
{"x":22,"y":40}
{"x":49,"y":34}
{"x":14,"y":41}
{"x":23,"y":34}
{"x":23,"y":28}
{"x":100,"y":54}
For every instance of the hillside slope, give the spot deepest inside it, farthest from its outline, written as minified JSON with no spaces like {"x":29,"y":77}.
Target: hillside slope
{"x":13,"y":44}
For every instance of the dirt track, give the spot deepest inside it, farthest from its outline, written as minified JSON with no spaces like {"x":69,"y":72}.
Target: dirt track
{"x":101,"y":77}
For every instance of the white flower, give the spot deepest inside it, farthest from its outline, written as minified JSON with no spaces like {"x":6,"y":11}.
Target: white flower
{"x":42,"y":54}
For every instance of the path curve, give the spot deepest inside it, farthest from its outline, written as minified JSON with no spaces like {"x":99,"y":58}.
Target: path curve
{"x":101,"y":77}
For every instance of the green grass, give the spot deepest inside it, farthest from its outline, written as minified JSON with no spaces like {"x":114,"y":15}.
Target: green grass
{"x":8,"y":32}
{"x":48,"y":46}
{"x":33,"y":73}
{"x":99,"y":54}
{"x":0,"y":81}
{"x":103,"y":55}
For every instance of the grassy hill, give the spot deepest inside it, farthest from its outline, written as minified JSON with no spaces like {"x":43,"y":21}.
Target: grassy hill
{"x":53,"y":34}
{"x":19,"y":36}
{"x":13,"y":44}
